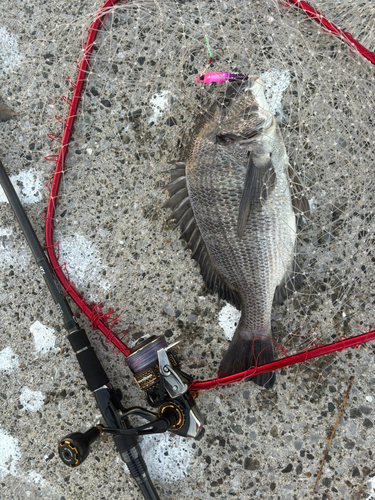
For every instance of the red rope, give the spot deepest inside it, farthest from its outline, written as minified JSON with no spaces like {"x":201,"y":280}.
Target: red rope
{"x":282,"y":363}
{"x":89,"y":311}
{"x":330,"y":27}
{"x":99,"y":319}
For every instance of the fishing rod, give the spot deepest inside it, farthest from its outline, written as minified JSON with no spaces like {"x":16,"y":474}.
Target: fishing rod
{"x":155,"y":367}
{"x":156,"y":370}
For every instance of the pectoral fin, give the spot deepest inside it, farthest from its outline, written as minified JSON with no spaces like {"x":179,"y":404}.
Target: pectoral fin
{"x":260,"y":180}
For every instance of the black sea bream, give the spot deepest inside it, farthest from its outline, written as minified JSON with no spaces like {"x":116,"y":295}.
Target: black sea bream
{"x":236,"y":201}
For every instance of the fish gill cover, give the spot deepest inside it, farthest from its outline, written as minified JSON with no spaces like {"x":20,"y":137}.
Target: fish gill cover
{"x":140,"y":106}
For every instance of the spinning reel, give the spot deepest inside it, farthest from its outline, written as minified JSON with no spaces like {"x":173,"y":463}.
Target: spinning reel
{"x":157,"y":372}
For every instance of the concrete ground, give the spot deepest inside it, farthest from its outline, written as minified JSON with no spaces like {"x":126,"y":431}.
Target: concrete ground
{"x":119,"y":250}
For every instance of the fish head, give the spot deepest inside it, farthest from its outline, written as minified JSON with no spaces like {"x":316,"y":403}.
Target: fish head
{"x":243,"y":113}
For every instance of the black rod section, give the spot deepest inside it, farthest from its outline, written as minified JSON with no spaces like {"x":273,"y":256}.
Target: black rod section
{"x":92,"y":369}
{"x":38,"y":252}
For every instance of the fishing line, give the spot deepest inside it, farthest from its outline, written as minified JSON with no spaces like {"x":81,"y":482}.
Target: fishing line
{"x":209,"y":51}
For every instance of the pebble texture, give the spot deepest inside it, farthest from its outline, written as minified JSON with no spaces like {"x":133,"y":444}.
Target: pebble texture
{"x":119,"y":249}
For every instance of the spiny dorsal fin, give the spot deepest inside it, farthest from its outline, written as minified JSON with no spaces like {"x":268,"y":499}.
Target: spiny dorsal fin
{"x":183,"y":213}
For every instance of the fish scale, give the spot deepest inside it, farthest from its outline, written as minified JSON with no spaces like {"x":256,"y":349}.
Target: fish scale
{"x":242,"y":200}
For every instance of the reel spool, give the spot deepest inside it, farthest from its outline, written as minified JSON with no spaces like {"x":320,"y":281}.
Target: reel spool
{"x":143,"y":361}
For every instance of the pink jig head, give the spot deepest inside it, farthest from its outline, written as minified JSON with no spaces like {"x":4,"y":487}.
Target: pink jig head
{"x":221,"y":77}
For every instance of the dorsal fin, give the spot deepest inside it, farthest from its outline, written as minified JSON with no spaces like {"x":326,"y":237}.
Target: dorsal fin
{"x":183,"y":213}
{"x":293,"y":280}
{"x":299,"y":201}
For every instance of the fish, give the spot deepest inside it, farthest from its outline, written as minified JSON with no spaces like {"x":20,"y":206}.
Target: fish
{"x":238,"y":203}
{"x":6,"y":113}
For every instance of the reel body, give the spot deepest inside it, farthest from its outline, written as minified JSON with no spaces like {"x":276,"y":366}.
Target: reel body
{"x":157,"y":372}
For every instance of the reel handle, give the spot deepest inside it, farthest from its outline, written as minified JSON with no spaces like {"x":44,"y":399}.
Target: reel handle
{"x":74,"y":448}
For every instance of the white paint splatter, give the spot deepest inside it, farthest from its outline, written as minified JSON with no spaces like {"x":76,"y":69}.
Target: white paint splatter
{"x":31,"y":400}
{"x":167,"y":457}
{"x":5,"y":231}
{"x":44,"y":338}
{"x":371,"y":488}
{"x":159,"y":102}
{"x":10,"y":56}
{"x":276,"y":81}
{"x":229,"y":317}
{"x":37,"y":478}
{"x":8,"y":360}
{"x":83,"y":261}
{"x":28,"y":185}
{"x":9,"y":454}
{"x":9,"y":256}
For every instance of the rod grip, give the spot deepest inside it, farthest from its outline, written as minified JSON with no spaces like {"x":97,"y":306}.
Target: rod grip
{"x":88,"y":360}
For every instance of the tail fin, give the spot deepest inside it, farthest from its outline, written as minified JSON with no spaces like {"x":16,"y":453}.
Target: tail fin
{"x":244,"y":353}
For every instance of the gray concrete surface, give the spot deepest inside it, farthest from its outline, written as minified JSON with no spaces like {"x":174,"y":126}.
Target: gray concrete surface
{"x":119,"y":249}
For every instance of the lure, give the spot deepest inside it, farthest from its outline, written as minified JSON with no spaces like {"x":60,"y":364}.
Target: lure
{"x":221,"y":77}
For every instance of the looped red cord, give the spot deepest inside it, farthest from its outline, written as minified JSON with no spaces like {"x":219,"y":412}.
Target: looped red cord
{"x":70,"y":81}
{"x":42,"y":214}
{"x":119,"y":336}
{"x":51,"y":158}
{"x":57,"y":245}
{"x":99,"y":317}
{"x":342,"y":339}
{"x":66,"y":100}
{"x":279,"y":347}
{"x":63,"y":266}
{"x":55,"y":137}
{"x":59,"y":119}
{"x":60,"y":163}
{"x":71,"y":285}
{"x":252,"y":347}
{"x":48,"y":184}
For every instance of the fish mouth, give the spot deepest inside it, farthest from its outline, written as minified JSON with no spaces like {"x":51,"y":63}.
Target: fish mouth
{"x":251,"y":82}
